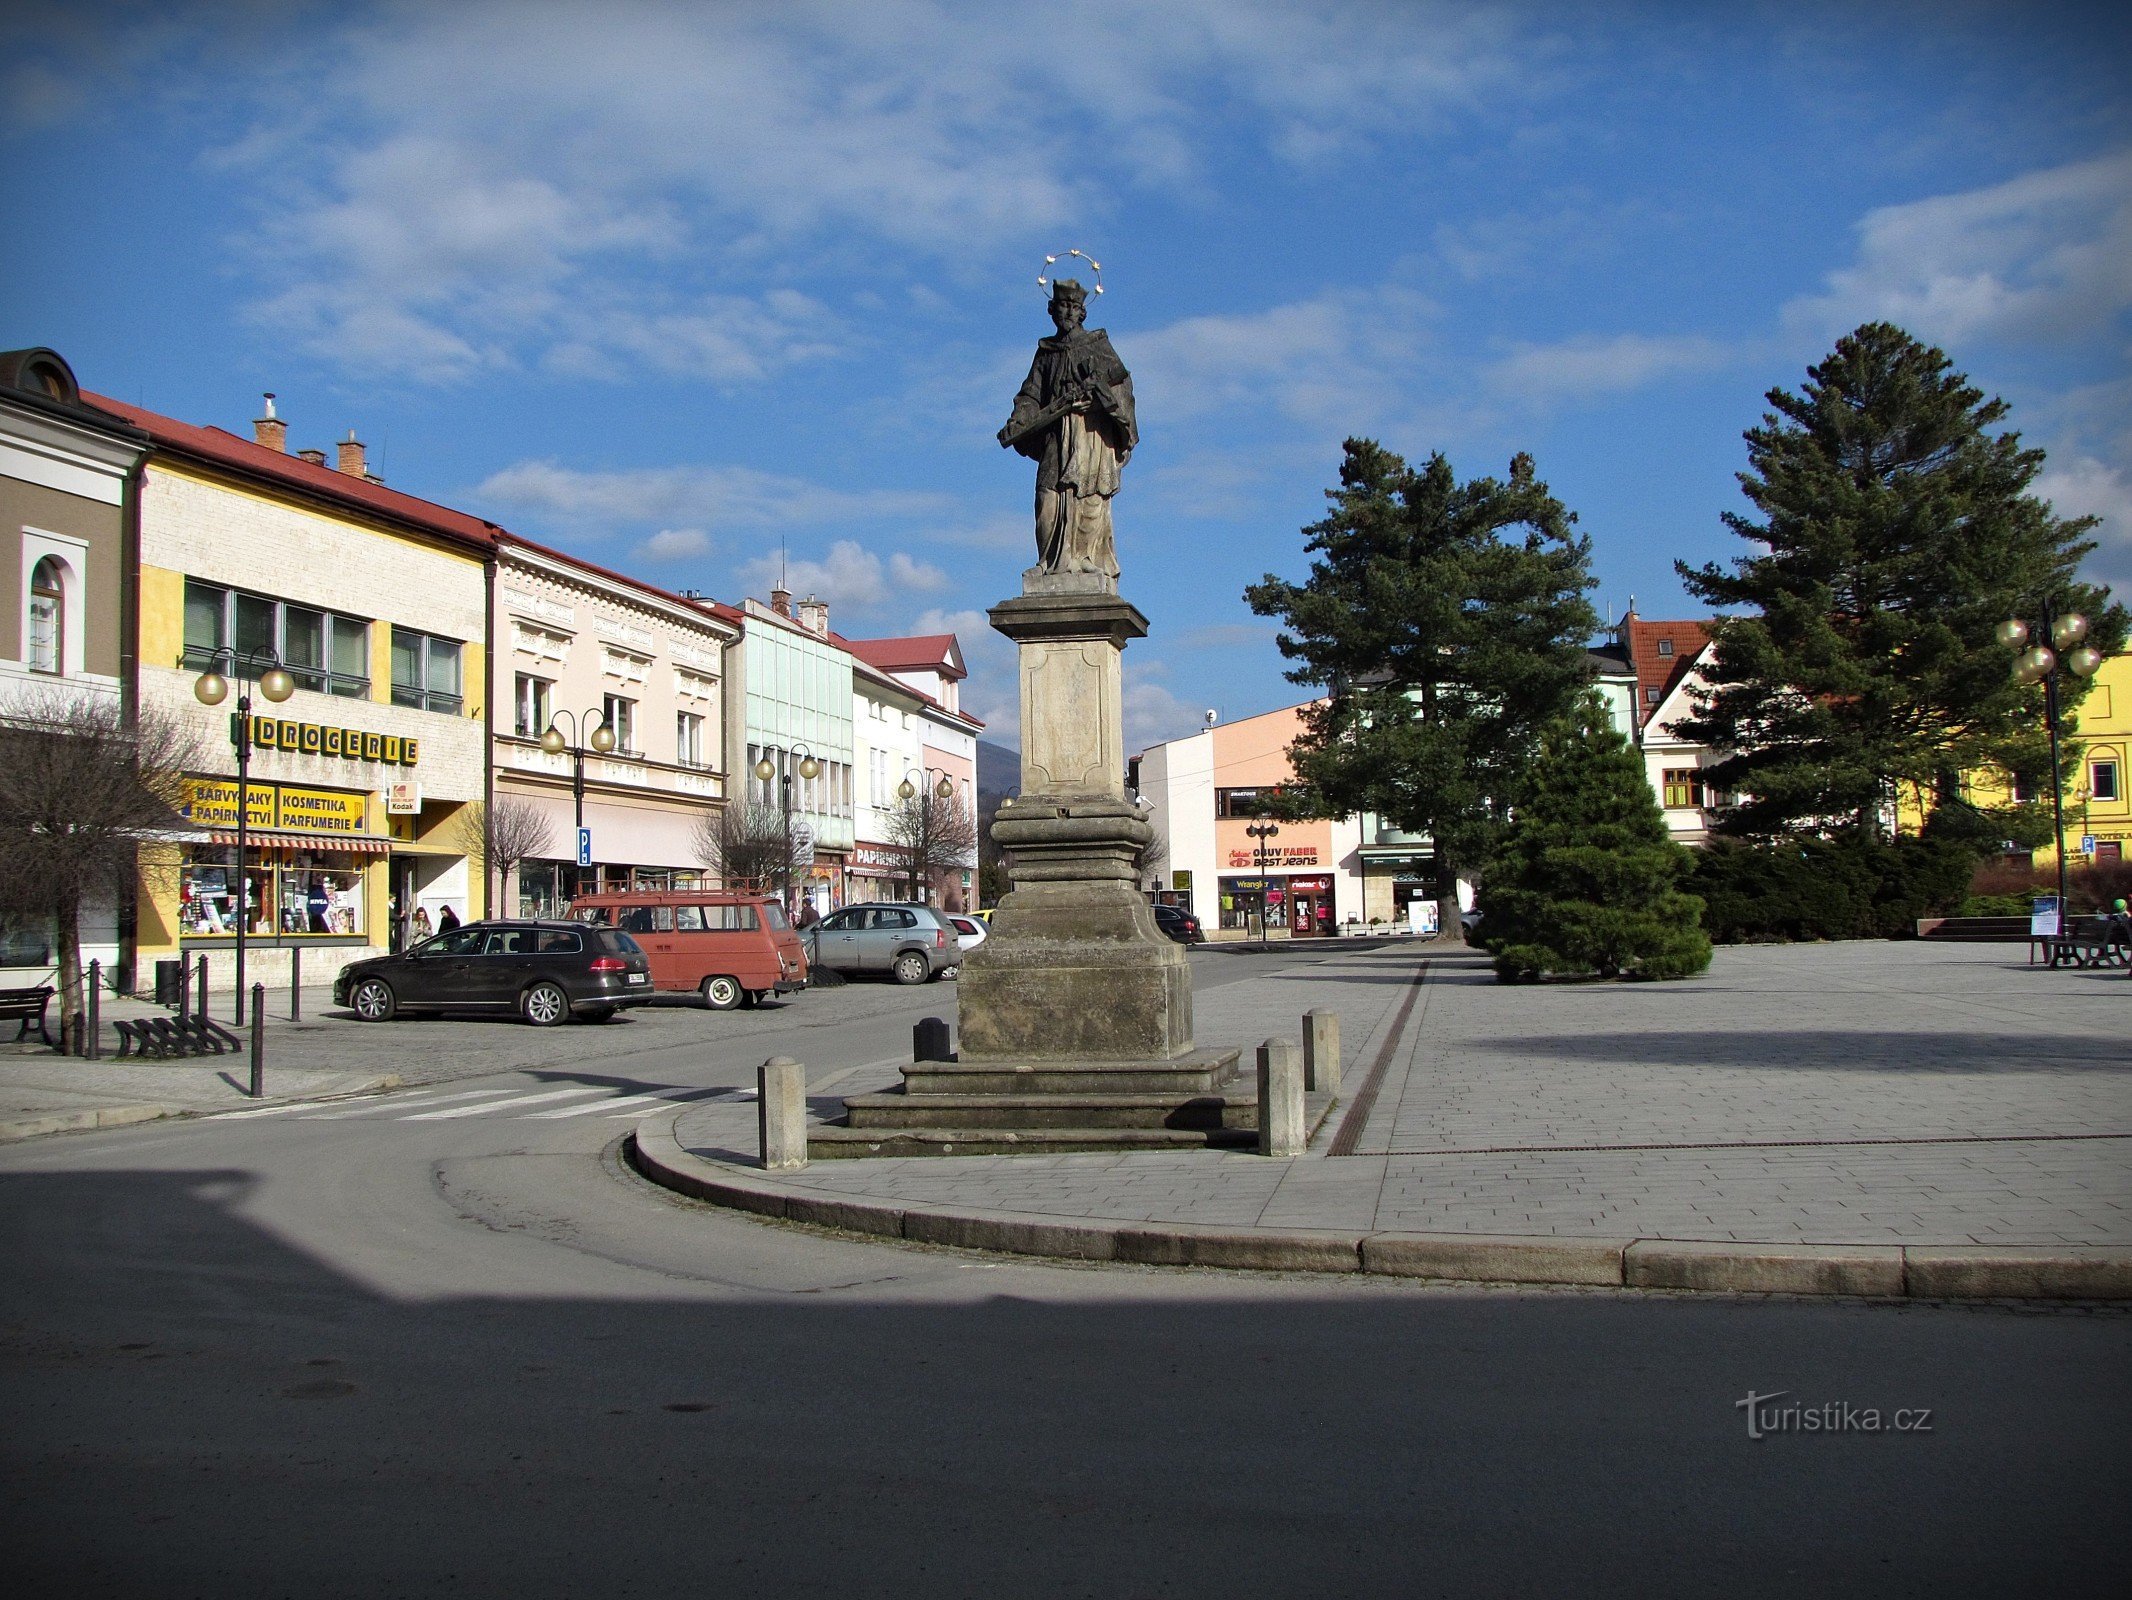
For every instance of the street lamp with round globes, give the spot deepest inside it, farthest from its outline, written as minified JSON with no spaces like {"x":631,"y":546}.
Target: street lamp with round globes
{"x":211,"y":688}
{"x":922,"y":846}
{"x":2041,"y":663}
{"x":602,"y":741}
{"x":809,"y":769}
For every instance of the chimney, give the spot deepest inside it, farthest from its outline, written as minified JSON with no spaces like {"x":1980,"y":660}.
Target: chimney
{"x":351,"y":461}
{"x":317,"y":458}
{"x":781,"y":601}
{"x":814,"y":616}
{"x":270,"y":430}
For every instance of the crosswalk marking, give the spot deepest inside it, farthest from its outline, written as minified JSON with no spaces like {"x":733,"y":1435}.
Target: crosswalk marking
{"x":273,"y":1111}
{"x":505,"y":1105}
{"x":582,"y":1111}
{"x":403,"y":1102}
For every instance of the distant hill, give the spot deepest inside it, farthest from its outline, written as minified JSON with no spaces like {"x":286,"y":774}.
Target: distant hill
{"x":999,"y":770}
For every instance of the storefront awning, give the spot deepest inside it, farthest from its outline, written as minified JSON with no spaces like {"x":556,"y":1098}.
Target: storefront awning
{"x":347,"y":844}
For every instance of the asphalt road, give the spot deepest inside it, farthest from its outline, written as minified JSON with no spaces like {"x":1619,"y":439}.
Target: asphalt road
{"x":440,"y":1343}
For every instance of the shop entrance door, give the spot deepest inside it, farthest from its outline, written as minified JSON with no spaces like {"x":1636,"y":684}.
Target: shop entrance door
{"x":1312,"y":909}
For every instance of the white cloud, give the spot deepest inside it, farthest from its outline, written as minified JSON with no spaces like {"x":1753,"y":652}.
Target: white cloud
{"x":1592,"y":364}
{"x":2045,"y":255}
{"x":675,"y":544}
{"x":499,"y":183}
{"x":2081,"y":486}
{"x":849,"y":577}
{"x":720,"y":497}
{"x":992,"y":692}
{"x":1153,"y":714}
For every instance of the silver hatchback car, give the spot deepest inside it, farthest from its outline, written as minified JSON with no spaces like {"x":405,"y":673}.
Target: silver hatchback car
{"x":910,"y":943}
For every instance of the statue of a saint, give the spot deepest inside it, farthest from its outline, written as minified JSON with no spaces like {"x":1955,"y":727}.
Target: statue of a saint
{"x":1074,"y":418}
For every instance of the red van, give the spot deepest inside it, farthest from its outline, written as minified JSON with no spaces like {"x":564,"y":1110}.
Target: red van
{"x":731,"y":947}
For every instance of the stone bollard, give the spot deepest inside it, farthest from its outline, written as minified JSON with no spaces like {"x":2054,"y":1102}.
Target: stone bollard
{"x":1280,"y":1099}
{"x":929,"y":1040}
{"x":1321,"y":1051}
{"x":781,"y":1110}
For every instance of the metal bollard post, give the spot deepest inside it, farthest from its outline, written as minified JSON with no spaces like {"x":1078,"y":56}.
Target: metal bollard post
{"x":203,"y":992}
{"x":929,"y":1040}
{"x":1280,"y":1099}
{"x":1321,"y":1051}
{"x":781,"y":1112}
{"x":95,"y":1051}
{"x":296,"y":984}
{"x":259,"y":1041}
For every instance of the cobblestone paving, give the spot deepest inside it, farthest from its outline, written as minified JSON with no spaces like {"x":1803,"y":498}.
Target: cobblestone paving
{"x":1805,"y":1061}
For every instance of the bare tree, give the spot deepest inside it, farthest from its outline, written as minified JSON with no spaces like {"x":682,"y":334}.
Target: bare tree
{"x":929,"y":837}
{"x":744,"y":844}
{"x":81,"y":791}
{"x":500,"y":836}
{"x":1153,"y":857}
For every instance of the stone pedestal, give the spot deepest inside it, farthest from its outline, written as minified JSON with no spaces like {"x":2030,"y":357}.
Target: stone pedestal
{"x":1075,"y":967}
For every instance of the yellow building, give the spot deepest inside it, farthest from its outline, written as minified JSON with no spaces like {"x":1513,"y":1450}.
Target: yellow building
{"x":2098,"y":812}
{"x":377,"y":604}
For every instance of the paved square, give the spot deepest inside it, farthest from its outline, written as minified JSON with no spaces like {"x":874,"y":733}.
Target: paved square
{"x":1859,"y":1093}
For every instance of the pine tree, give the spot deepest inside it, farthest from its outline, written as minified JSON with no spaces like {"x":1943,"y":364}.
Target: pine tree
{"x":1585,"y":878}
{"x":1449,"y":620}
{"x":1896,"y":532}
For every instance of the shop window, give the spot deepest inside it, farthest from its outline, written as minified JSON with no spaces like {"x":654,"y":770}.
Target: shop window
{"x":307,"y":892}
{"x":48,"y":617}
{"x":620,"y":714}
{"x":425,"y":672}
{"x":2102,"y":780}
{"x":2109,"y":850}
{"x":1246,"y":802}
{"x":1684,"y":788}
{"x":688,"y":739}
{"x":323,"y":650}
{"x":534,"y":705}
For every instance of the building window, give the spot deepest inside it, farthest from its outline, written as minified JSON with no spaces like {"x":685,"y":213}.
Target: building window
{"x":1650,"y":695}
{"x":48,"y":611}
{"x":621,"y":715}
{"x":533,"y":705}
{"x":688,"y":739}
{"x":425,"y":672}
{"x":322,"y":650}
{"x":1665,"y":647}
{"x":2021,"y":789}
{"x":1684,"y":788}
{"x":1245,"y":802}
{"x":2102,"y":780}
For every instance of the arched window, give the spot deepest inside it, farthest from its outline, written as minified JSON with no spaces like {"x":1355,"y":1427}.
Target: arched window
{"x":48,"y":612}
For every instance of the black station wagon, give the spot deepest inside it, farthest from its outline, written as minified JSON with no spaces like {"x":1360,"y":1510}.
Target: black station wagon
{"x":543,"y":971}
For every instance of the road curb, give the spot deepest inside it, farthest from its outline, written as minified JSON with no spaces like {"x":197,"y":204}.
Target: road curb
{"x":92,"y":1117}
{"x":75,"y":1121}
{"x":1879,"y":1271}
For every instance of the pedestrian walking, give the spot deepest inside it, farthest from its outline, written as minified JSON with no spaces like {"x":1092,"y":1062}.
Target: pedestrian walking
{"x":447,"y":920}
{"x":421,"y":923}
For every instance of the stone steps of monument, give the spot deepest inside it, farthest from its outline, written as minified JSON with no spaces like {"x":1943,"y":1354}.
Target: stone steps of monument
{"x":1200,"y":1073}
{"x":895,"y":1109}
{"x":831,"y":1144}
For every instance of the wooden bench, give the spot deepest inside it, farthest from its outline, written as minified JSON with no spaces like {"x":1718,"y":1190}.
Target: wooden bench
{"x":26,"y":1006}
{"x":2088,"y":943}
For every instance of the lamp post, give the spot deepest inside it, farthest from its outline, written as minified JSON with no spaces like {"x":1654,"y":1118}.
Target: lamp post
{"x":211,"y":688}
{"x":810,"y":769}
{"x":602,"y":740}
{"x":907,"y":791}
{"x":2038,"y":662}
{"x":1262,"y":831}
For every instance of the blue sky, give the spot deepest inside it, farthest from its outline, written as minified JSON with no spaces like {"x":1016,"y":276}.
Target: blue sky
{"x":670,"y":285}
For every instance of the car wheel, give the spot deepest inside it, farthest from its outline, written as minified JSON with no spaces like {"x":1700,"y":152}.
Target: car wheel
{"x":910,"y":967}
{"x":373,"y":1000}
{"x":545,"y":1005}
{"x":721,"y":993}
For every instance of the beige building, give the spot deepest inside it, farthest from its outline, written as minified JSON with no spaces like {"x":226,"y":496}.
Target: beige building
{"x":588,"y":652}
{"x":376,"y":604}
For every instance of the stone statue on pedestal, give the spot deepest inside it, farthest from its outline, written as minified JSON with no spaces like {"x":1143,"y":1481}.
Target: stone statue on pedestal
{"x":1074,"y":418}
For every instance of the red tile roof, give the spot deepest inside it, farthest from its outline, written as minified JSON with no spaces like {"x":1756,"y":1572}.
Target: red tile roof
{"x":224,"y":449}
{"x":925,"y":652}
{"x":1659,"y":671}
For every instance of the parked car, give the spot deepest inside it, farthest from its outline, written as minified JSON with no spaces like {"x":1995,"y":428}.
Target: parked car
{"x":545,"y":971}
{"x":731,"y":947}
{"x":1180,"y":924}
{"x":971,"y":931}
{"x":910,"y":943}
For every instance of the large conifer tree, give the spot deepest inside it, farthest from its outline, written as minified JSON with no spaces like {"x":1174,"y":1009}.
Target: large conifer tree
{"x":1896,"y":531}
{"x":1586,"y":877}
{"x":1449,"y":621}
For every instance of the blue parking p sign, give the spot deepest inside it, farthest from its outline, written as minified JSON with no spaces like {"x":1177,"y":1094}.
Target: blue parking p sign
{"x":584,"y":847}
